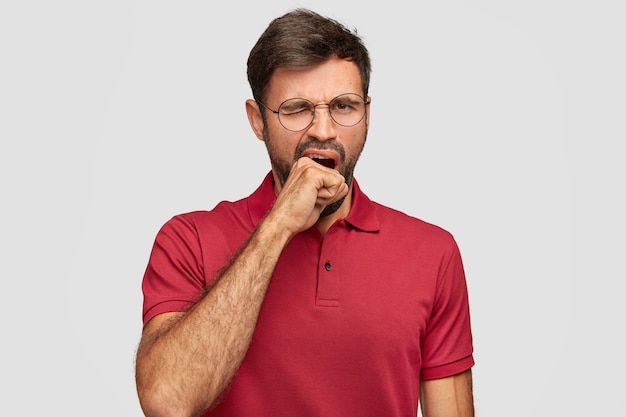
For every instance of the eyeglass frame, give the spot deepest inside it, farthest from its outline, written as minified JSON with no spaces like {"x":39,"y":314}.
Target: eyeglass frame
{"x":330,"y":113}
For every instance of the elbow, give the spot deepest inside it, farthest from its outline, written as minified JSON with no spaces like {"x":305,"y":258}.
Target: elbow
{"x":157,"y":400}
{"x":162,"y":400}
{"x":155,"y":405}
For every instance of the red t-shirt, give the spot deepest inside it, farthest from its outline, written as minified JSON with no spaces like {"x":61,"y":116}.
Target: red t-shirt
{"x":351,"y":320}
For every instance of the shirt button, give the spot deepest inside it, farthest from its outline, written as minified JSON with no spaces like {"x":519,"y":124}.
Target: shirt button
{"x":328,"y":266}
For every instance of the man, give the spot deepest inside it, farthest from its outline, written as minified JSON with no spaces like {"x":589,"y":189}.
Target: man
{"x":305,"y":298}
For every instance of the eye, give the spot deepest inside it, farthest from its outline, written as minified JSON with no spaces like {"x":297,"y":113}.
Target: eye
{"x":344,"y":104}
{"x":294,"y":107}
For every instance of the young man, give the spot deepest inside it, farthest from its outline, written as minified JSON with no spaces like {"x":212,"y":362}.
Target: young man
{"x":305,"y":298}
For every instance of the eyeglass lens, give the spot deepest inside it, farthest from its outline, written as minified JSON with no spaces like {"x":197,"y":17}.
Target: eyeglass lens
{"x":297,"y":114}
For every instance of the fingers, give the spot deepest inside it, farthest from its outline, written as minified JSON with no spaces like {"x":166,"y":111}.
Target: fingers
{"x":309,"y":188}
{"x":329,"y":183}
{"x":332,"y":191}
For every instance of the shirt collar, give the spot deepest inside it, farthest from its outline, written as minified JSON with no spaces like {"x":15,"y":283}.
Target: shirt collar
{"x":362,"y":214}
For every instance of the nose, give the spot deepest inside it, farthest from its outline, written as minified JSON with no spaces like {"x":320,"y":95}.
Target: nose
{"x":323,"y":126}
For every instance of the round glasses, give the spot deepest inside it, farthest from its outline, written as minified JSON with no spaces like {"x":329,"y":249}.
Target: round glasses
{"x":296,"y":114}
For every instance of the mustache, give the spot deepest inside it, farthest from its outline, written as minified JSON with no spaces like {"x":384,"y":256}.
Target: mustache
{"x":312,"y":143}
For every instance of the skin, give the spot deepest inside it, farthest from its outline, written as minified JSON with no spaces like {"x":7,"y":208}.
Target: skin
{"x":185,"y":361}
{"x":448,"y":397}
{"x":324,"y":137}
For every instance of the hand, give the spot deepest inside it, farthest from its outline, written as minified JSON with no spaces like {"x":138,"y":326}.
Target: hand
{"x":310,"y":187}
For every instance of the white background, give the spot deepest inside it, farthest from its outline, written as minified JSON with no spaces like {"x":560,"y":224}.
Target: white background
{"x":502,"y":122}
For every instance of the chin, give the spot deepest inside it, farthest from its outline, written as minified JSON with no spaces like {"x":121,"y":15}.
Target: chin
{"x":332,"y":208}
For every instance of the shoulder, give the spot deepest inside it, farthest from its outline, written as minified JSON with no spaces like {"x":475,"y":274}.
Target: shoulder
{"x":224,"y":220}
{"x":400,"y":223}
{"x":224,"y":211}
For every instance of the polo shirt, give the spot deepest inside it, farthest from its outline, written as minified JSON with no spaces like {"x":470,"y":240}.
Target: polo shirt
{"x":352,"y":320}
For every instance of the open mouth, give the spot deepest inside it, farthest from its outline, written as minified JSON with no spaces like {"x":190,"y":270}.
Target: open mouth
{"x":327,"y":162}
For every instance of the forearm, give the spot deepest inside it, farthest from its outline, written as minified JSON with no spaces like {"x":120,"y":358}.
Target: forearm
{"x":185,"y":369}
{"x":448,"y":397}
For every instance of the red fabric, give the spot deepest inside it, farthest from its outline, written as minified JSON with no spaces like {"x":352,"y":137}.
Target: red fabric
{"x":351,"y":321}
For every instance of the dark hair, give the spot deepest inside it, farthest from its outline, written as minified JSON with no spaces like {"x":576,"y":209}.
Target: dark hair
{"x":303,"y":39}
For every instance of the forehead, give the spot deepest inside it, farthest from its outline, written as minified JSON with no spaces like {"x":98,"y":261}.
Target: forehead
{"x":318,"y":84}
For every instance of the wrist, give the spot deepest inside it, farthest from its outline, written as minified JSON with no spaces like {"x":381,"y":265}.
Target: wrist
{"x":272,"y":231}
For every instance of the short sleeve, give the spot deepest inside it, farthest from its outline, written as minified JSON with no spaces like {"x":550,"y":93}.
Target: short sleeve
{"x":174,"y":276}
{"x":447,"y":344}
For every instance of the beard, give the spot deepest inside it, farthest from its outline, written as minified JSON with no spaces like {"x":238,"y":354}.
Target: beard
{"x":345,"y":167}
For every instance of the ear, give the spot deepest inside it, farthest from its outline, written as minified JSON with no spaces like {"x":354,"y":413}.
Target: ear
{"x":255,"y":118}
{"x":367,"y":112}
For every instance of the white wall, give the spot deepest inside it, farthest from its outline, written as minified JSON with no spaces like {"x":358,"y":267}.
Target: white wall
{"x":501,"y":121}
